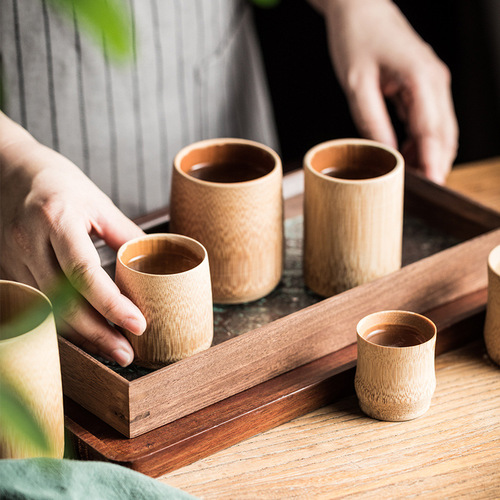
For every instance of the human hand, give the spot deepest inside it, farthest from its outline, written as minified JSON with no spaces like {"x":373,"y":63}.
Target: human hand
{"x":377,"y":55}
{"x":48,"y":211}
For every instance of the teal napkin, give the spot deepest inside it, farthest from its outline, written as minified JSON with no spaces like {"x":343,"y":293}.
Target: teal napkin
{"x":52,"y":479}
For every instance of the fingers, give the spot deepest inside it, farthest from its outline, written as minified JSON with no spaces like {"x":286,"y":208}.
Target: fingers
{"x":368,"y":108}
{"x":432,"y":125}
{"x":70,"y":250}
{"x":424,"y":103}
{"x":80,"y":262}
{"x":116,"y":229}
{"x":81,"y":323}
{"x":99,"y":337}
{"x":427,"y":154}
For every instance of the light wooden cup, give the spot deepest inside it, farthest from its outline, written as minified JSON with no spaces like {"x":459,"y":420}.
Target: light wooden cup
{"x":353,"y":228}
{"x":239,"y":223}
{"x":395,"y":383}
{"x":29,"y":363}
{"x":492,"y":322}
{"x":177,"y":307}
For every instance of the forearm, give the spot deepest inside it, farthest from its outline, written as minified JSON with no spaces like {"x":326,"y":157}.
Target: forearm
{"x":330,"y":6}
{"x":15,"y":143}
{"x":11,"y":133}
{"x":16,"y":174}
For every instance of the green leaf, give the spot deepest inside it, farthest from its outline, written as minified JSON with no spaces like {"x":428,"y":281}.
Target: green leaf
{"x":103,"y":19}
{"x":17,"y":422}
{"x":266,"y":4}
{"x":61,"y":296}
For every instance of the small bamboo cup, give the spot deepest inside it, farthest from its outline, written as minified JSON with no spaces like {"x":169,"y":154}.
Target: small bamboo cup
{"x":353,"y":227}
{"x":239,"y":223}
{"x":29,"y":363}
{"x":492,"y":322}
{"x":177,"y":305}
{"x":395,"y":383}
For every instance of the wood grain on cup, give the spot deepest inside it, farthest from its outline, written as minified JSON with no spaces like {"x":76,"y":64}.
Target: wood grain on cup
{"x":395,"y":383}
{"x":239,"y":223}
{"x":492,"y":322}
{"x":177,"y":306}
{"x":353,"y":214}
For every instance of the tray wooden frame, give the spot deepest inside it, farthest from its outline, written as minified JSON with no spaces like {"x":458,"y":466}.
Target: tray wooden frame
{"x":267,"y":369}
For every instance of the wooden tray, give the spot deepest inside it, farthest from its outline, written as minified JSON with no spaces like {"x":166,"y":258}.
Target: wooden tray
{"x":241,"y":387}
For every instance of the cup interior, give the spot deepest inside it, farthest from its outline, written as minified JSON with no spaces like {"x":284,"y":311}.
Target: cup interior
{"x":226,"y":162}
{"x":396,"y":329}
{"x":22,"y":309}
{"x":162,"y":254}
{"x":352,"y":161}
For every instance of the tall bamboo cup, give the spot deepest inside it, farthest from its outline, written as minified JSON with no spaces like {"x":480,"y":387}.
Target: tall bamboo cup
{"x":395,"y":383}
{"x":177,"y":305}
{"x":353,"y":227}
{"x":239,"y":223}
{"x":492,"y":322}
{"x":29,"y":364}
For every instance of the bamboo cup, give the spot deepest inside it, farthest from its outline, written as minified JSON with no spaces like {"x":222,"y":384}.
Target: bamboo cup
{"x":492,"y":322}
{"x":395,"y":382}
{"x":353,"y":214}
{"x":167,"y":276}
{"x":29,"y":363}
{"x":237,"y":214}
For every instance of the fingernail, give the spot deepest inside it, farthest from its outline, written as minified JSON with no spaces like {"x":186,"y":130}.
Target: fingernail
{"x":122,"y":357}
{"x":135,"y":325}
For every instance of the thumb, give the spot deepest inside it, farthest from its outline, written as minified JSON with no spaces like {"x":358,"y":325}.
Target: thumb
{"x":116,"y":229}
{"x":369,"y":110}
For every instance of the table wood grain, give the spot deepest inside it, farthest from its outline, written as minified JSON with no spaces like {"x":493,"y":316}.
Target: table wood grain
{"x":480,"y":180}
{"x":452,"y":451}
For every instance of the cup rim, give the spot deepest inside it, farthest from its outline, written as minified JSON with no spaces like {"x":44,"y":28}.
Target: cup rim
{"x":353,"y":141}
{"x":163,"y":236}
{"x":34,"y":291}
{"x":419,"y":317}
{"x":494,"y":260}
{"x":221,"y":141}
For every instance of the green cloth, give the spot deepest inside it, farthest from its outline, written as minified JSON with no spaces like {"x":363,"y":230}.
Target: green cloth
{"x":52,"y":479}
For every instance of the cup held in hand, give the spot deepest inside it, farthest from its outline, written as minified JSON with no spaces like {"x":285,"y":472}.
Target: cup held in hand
{"x":167,"y":276}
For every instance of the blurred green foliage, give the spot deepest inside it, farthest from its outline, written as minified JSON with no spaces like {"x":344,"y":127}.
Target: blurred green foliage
{"x":266,"y":4}
{"x":103,"y":20}
{"x":17,"y":422}
{"x":18,"y":425}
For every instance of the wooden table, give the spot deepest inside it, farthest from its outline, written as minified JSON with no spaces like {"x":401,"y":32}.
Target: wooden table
{"x":452,"y":451}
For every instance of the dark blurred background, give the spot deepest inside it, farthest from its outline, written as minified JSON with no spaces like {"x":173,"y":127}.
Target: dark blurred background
{"x":310,"y":107}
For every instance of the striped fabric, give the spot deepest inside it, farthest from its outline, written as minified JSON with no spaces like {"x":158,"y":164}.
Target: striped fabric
{"x":196,"y":74}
